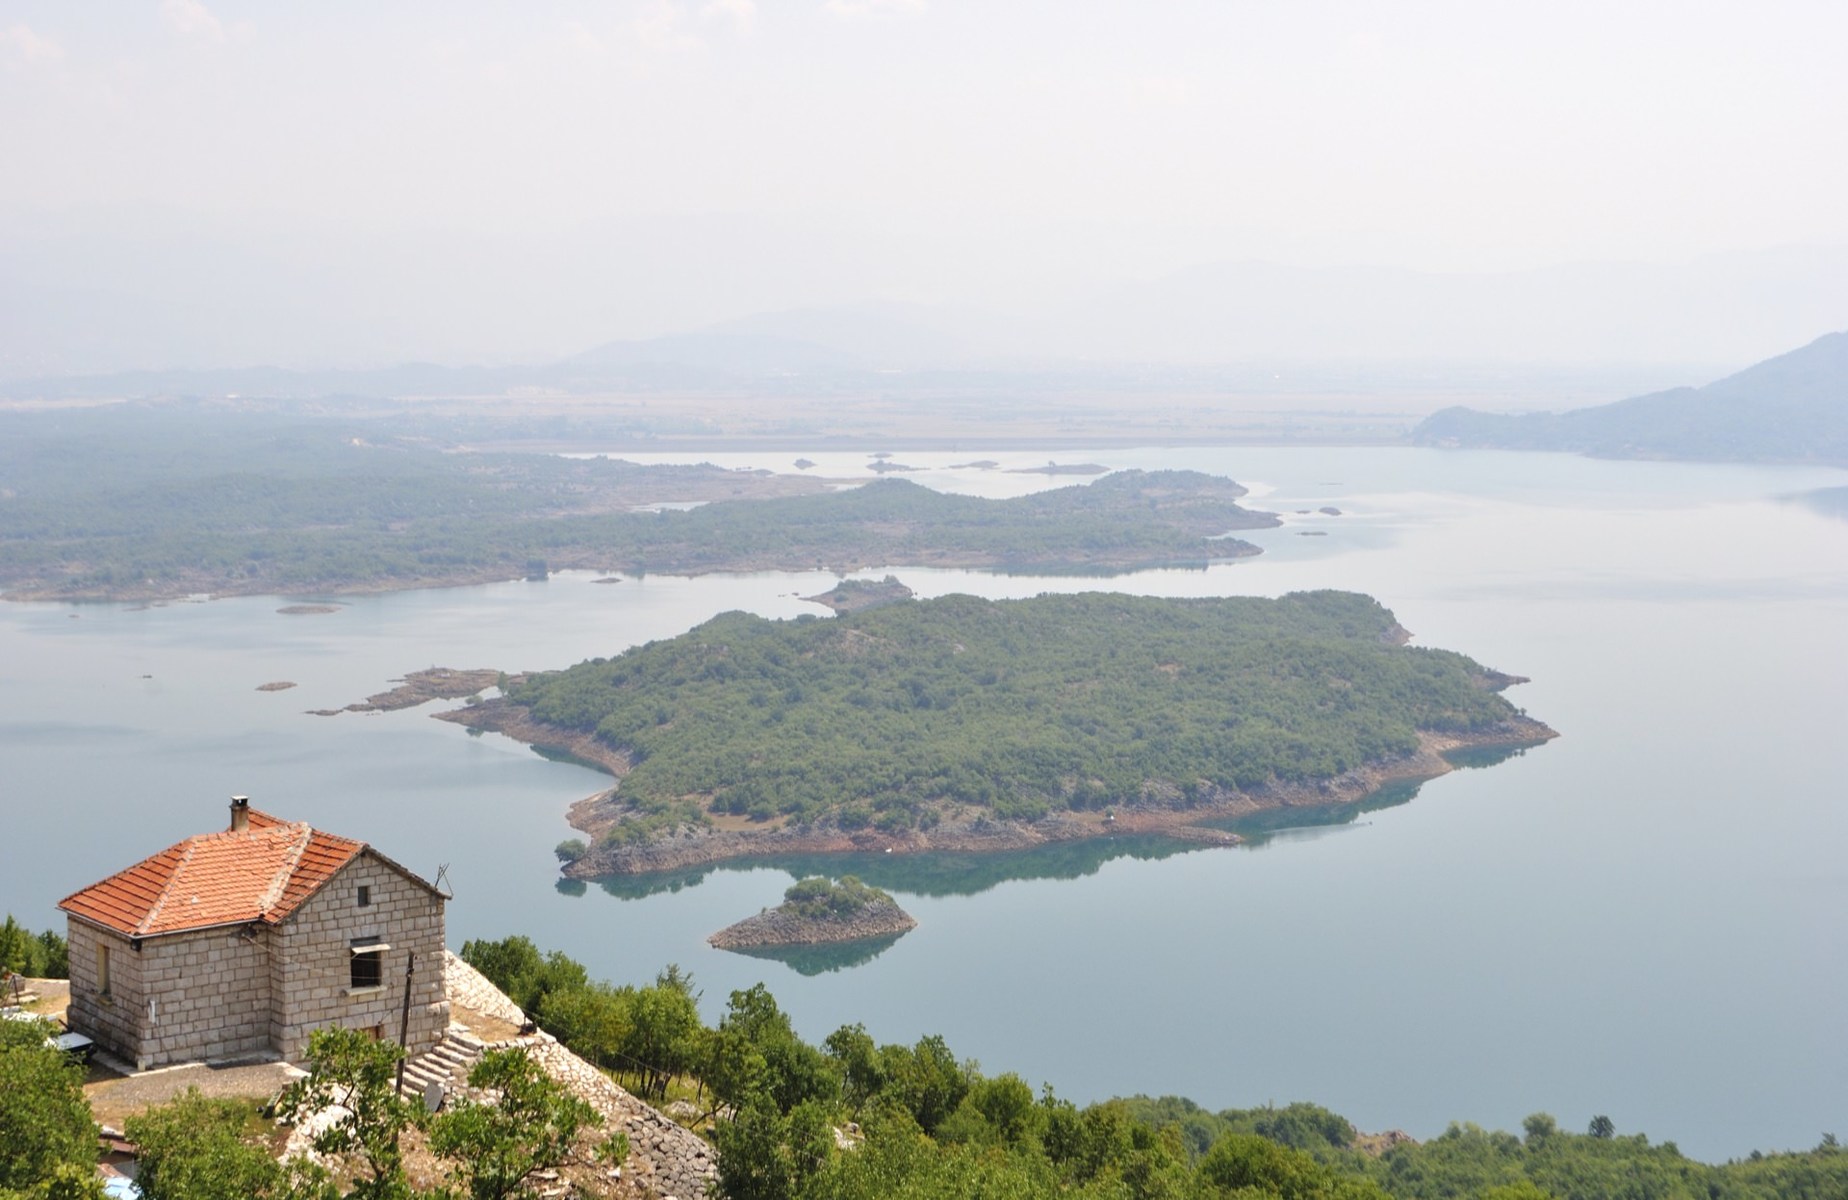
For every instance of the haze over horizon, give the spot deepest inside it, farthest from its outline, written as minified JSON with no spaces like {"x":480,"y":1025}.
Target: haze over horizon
{"x":215,"y":184}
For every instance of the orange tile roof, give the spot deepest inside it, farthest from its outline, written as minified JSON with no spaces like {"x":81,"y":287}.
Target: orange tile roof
{"x":260,"y":873}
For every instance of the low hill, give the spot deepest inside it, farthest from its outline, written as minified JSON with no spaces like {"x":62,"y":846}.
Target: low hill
{"x":1792,"y":408}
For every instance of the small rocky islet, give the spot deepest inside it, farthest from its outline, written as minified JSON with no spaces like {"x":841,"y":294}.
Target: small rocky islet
{"x":819,"y":911}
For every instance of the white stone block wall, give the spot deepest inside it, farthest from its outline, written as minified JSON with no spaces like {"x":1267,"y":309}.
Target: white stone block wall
{"x":209,"y":994}
{"x":113,"y":1021}
{"x":179,"y":998}
{"x":311,"y":965}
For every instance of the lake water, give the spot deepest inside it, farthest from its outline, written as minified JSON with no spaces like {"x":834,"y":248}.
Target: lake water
{"x":1642,"y":918}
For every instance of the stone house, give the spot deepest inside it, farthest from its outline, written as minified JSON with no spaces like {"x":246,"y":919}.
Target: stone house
{"x":244,"y":942}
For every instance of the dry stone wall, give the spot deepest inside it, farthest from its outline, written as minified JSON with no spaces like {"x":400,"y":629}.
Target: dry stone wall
{"x":469,"y":988}
{"x":664,"y":1158}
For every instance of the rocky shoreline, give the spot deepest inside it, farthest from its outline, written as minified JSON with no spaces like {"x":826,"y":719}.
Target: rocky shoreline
{"x":1163,"y":811}
{"x":780,"y":926}
{"x":499,"y":716}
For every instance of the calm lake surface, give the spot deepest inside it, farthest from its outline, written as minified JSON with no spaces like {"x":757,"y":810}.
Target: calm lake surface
{"x":1642,"y":918}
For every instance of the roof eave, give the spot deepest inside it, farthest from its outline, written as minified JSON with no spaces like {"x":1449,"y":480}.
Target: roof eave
{"x":137,"y":936}
{"x":364,"y":849}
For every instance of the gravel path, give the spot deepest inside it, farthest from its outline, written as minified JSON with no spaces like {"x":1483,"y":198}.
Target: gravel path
{"x":114,"y":1098}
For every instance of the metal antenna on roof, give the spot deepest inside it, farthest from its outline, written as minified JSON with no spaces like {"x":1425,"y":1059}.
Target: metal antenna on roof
{"x":442,"y":882}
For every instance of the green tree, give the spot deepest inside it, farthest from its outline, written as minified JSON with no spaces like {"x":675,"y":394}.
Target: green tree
{"x":67,"y":1181}
{"x":1602,"y":1127}
{"x":352,"y":1076}
{"x":856,"y":1060}
{"x":793,"y":1071}
{"x":531,"y":1125}
{"x":504,"y":962}
{"x":515,"y":966}
{"x":926,"y":1079}
{"x":56,"y":963}
{"x":192,"y":1149}
{"x":1245,"y":1164}
{"x":765,"y":1154}
{"x":36,"y":956}
{"x":593,"y":1021}
{"x":1523,"y":1190}
{"x":663,"y":1037}
{"x":45,"y":1124}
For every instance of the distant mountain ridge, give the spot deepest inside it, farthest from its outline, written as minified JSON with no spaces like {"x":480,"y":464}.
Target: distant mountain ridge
{"x":1792,"y":408}
{"x":1691,"y":317}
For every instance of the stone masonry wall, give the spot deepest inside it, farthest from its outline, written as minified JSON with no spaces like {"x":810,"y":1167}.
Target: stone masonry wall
{"x":205,"y":996}
{"x":310,"y":969}
{"x":180,"y":998}
{"x":113,"y":1021}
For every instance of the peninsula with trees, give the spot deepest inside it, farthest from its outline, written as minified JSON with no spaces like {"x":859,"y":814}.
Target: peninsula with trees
{"x":967,"y":724}
{"x":167,"y":502}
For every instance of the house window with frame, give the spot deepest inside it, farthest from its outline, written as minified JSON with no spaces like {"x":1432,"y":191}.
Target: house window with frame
{"x":102,"y":969}
{"x":367,"y":966}
{"x":365,"y":896}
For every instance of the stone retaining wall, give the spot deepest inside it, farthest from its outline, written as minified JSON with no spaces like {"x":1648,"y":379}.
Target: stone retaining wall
{"x":664,"y":1158}
{"x":468,"y":988}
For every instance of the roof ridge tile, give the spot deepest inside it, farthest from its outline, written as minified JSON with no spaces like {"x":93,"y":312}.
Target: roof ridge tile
{"x":303,"y":834}
{"x":166,"y":891}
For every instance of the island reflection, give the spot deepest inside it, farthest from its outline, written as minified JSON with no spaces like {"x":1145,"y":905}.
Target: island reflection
{"x":951,"y":874}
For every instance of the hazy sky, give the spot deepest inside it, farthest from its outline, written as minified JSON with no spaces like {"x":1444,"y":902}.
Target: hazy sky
{"x":359,"y":181}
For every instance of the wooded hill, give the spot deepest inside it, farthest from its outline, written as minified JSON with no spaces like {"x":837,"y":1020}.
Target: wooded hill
{"x":1016,"y":707}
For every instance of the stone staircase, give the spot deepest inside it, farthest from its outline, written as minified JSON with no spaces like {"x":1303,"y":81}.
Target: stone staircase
{"x":449,"y":1061}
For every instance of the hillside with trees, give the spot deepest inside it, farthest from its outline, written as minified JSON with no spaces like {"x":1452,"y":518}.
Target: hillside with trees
{"x":848,"y":1119}
{"x":929,"y":1124}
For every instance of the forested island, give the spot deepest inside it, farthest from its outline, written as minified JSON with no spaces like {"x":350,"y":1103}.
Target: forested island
{"x":155,"y":505}
{"x":967,"y":724}
{"x":818,"y":911}
{"x":856,"y":595}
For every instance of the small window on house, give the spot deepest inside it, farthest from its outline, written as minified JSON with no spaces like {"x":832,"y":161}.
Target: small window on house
{"x":368,"y":969}
{"x":102,"y":969}
{"x":368,"y":963}
{"x":365,"y":897}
